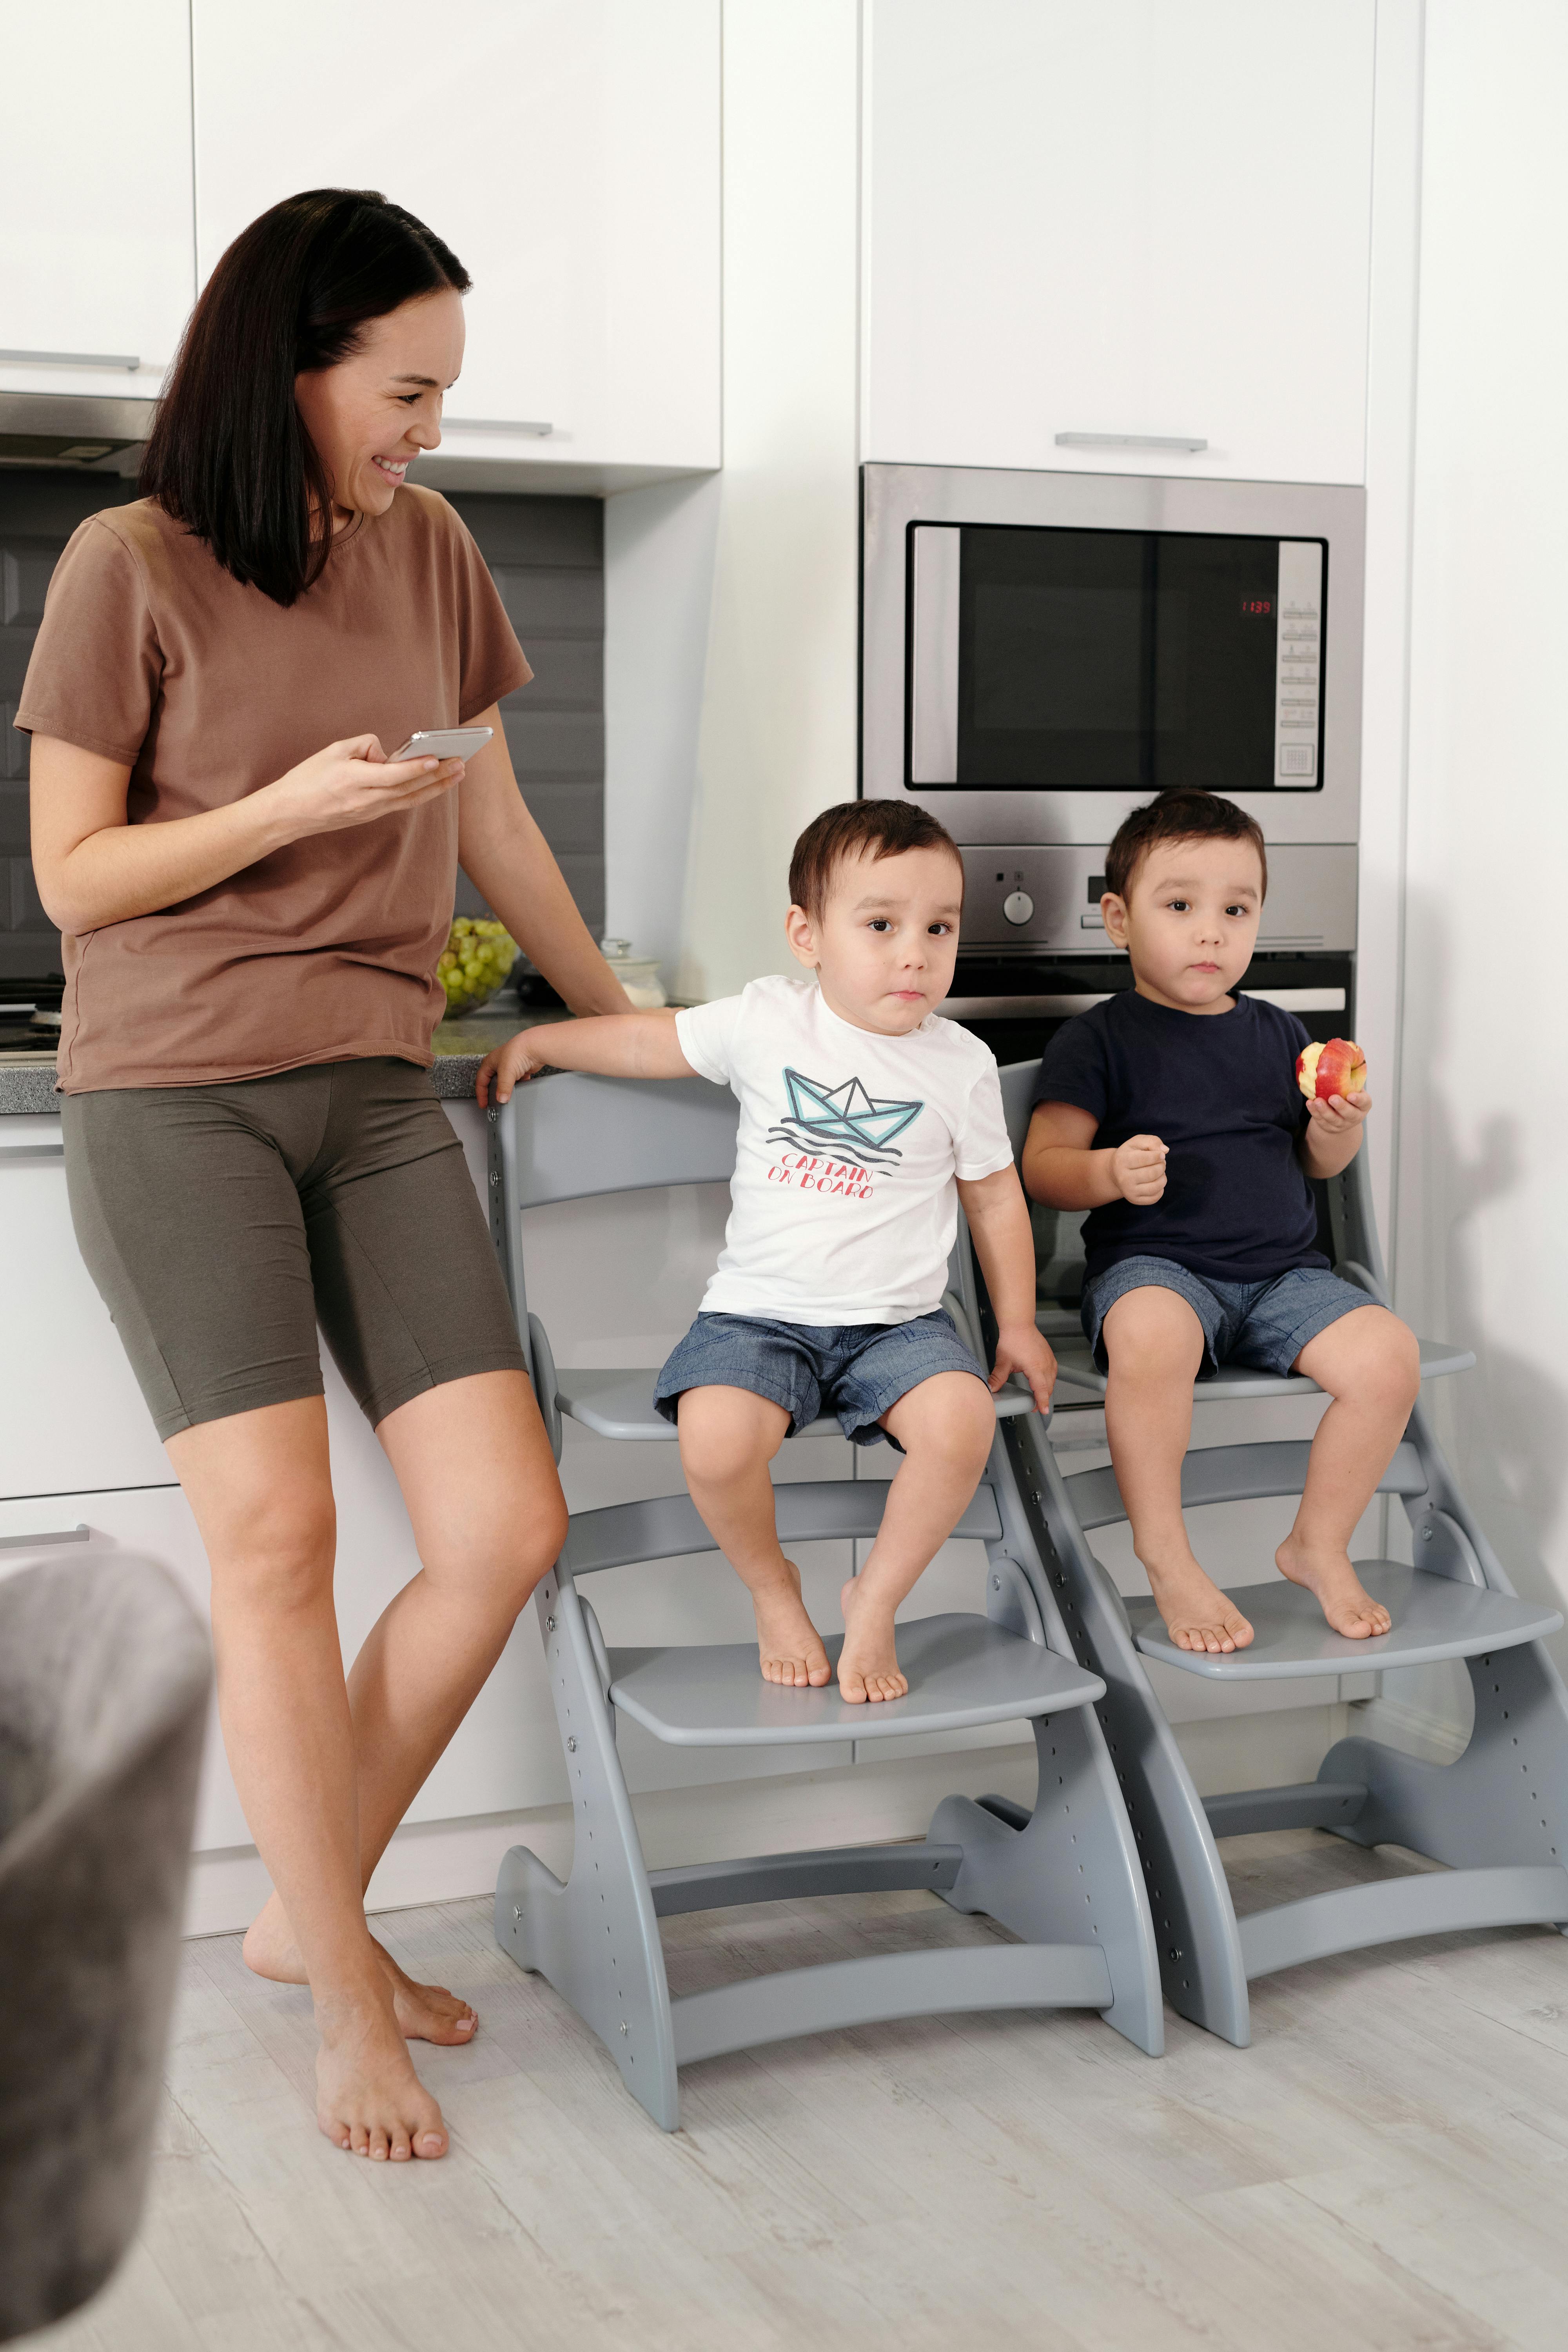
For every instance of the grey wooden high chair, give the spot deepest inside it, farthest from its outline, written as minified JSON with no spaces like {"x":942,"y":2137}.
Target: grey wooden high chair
{"x":1497,"y":1816}
{"x":1068,"y":1886}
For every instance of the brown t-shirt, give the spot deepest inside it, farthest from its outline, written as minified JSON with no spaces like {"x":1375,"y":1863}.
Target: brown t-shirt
{"x":152,"y":654}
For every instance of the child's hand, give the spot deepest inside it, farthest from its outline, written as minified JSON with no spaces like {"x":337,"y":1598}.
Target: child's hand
{"x":1138,"y":1167}
{"x":509,"y":1065}
{"x":1021,"y":1348}
{"x":1339,"y":1116}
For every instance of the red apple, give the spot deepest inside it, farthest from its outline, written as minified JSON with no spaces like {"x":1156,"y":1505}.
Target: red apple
{"x":1337,"y":1068}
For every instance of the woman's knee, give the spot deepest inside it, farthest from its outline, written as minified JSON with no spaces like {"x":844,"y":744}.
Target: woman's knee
{"x":280,"y":1557}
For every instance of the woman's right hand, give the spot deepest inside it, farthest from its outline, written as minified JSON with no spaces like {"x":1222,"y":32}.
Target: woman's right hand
{"x":354,"y":782}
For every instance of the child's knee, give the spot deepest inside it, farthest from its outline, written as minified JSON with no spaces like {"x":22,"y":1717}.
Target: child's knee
{"x":724,"y":1432}
{"x":1396,"y":1359}
{"x":1153,"y":1334}
{"x":950,"y":1415}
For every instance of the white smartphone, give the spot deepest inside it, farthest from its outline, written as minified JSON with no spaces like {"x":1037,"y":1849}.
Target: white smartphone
{"x":445,"y":744}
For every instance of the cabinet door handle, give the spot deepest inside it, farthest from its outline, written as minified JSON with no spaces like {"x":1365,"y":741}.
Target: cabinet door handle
{"x":78,"y":1534}
{"x":1188,"y":441}
{"x":126,"y":360}
{"x":497,"y":425}
{"x":32,"y":1150}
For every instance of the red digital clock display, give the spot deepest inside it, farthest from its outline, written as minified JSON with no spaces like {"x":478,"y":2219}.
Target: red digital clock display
{"x":1263,"y":605}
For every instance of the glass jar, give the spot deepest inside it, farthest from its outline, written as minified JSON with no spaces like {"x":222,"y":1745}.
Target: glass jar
{"x":639,"y":975}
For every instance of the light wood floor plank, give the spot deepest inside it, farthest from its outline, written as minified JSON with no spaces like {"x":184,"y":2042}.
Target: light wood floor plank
{"x":1385,"y":2171}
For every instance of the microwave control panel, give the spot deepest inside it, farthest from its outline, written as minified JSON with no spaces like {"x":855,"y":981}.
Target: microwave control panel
{"x":1040,"y":899}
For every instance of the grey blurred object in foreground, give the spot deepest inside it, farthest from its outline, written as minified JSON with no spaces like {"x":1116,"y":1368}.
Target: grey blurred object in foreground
{"x":104,"y":1672}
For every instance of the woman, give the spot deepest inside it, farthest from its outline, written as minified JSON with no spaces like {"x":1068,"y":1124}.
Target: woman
{"x":251,"y":924}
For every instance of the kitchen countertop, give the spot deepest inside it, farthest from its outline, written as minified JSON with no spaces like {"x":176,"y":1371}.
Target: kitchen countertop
{"x":28,"y":1081}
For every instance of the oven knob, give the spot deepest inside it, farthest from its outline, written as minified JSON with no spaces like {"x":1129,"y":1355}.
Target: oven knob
{"x":1018,"y":907}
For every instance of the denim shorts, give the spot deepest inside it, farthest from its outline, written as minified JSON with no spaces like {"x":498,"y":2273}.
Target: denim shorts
{"x":1264,"y":1324}
{"x":855,"y":1370}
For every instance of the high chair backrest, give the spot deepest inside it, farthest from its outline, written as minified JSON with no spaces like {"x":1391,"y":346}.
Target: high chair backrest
{"x":578,"y":1136}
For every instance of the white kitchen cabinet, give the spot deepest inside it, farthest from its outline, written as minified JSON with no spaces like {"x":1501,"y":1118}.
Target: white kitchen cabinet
{"x":1133,"y":218}
{"x":97,"y":251}
{"x":73,"y":1417}
{"x":568,"y":152}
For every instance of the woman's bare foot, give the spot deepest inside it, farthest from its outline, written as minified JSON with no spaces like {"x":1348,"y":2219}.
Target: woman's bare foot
{"x":788,"y":1644}
{"x":1341,"y":1594}
{"x":1197,"y":1614}
{"x":424,"y":2012}
{"x":869,"y":1662}
{"x":369,"y":2100}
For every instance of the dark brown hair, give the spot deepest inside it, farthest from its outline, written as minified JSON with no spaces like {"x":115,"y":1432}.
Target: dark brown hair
{"x":1180,"y":815}
{"x":229,"y":455}
{"x":856,"y":829}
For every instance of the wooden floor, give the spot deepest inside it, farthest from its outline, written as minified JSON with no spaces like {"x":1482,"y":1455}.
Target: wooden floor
{"x":1386,"y":2167}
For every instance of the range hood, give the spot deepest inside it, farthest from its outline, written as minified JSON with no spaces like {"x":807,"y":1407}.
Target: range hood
{"x":65,"y":429}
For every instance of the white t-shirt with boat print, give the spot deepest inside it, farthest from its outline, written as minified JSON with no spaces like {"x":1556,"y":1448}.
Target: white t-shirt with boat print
{"x":844,"y":1202}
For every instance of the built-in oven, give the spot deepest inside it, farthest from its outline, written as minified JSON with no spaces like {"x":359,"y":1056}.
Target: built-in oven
{"x":1041,"y":653}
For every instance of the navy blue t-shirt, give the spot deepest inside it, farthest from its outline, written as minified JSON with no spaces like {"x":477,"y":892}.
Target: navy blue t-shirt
{"x":1219,"y":1089}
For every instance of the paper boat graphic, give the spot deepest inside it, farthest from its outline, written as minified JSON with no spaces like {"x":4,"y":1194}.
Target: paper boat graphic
{"x":847,"y":1116}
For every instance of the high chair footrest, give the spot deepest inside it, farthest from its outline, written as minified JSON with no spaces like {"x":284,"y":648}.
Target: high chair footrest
{"x":1434,"y":1617}
{"x":1079,"y":1372}
{"x":962,"y":1670}
{"x":885,"y":1985}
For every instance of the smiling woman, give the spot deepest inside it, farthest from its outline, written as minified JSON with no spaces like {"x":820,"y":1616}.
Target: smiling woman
{"x":252,"y":927}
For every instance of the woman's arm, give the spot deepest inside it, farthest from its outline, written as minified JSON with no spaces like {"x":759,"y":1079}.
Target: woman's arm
{"x":998,"y":1218}
{"x":95,"y":868}
{"x":502,"y":851}
{"x":616,"y":1046}
{"x":1060,"y":1169}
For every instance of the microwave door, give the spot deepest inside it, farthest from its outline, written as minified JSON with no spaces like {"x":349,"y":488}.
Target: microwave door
{"x":935,"y":567}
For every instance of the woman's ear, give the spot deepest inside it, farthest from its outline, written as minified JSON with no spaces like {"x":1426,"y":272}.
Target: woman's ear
{"x":1114,"y":910}
{"x":801,"y":933}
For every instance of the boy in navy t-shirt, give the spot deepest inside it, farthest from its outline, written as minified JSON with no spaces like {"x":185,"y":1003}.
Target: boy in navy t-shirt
{"x":1173,"y":1114}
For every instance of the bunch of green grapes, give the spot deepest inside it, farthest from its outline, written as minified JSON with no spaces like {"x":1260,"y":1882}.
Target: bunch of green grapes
{"x":478,"y":957}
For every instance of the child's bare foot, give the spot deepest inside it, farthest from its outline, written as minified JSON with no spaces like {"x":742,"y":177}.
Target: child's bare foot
{"x":869,"y":1662}
{"x":424,"y":2012}
{"x":788,"y":1643}
{"x":1197,"y":1614}
{"x":369,"y":2100}
{"x":1341,"y":1594}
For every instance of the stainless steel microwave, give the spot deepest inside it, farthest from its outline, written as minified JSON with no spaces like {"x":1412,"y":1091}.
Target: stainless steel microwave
{"x":1042,"y":652}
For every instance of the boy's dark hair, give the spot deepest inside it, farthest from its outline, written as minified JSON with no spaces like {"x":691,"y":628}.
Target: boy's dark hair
{"x":859,"y":829}
{"x":228,"y":454}
{"x":1180,"y":815}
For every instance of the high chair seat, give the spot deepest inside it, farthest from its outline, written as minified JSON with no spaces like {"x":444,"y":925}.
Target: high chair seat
{"x":620,"y":1404}
{"x":962,"y":1671}
{"x":1080,"y":1373}
{"x":1434,"y":1617}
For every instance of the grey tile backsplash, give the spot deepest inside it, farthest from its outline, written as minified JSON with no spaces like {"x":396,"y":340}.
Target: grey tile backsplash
{"x":547,"y":558}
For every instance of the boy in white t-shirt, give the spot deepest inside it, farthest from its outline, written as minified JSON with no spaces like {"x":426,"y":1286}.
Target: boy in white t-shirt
{"x":865,"y":1119}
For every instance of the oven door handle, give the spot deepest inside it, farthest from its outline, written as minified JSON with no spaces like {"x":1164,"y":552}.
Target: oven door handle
{"x":933,"y":653}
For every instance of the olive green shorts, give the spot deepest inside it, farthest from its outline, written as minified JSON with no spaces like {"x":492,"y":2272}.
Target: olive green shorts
{"x":222,"y":1223}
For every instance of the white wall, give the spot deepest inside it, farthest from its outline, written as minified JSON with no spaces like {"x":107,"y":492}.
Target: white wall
{"x":1482,"y":1255}
{"x":754,"y":698}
